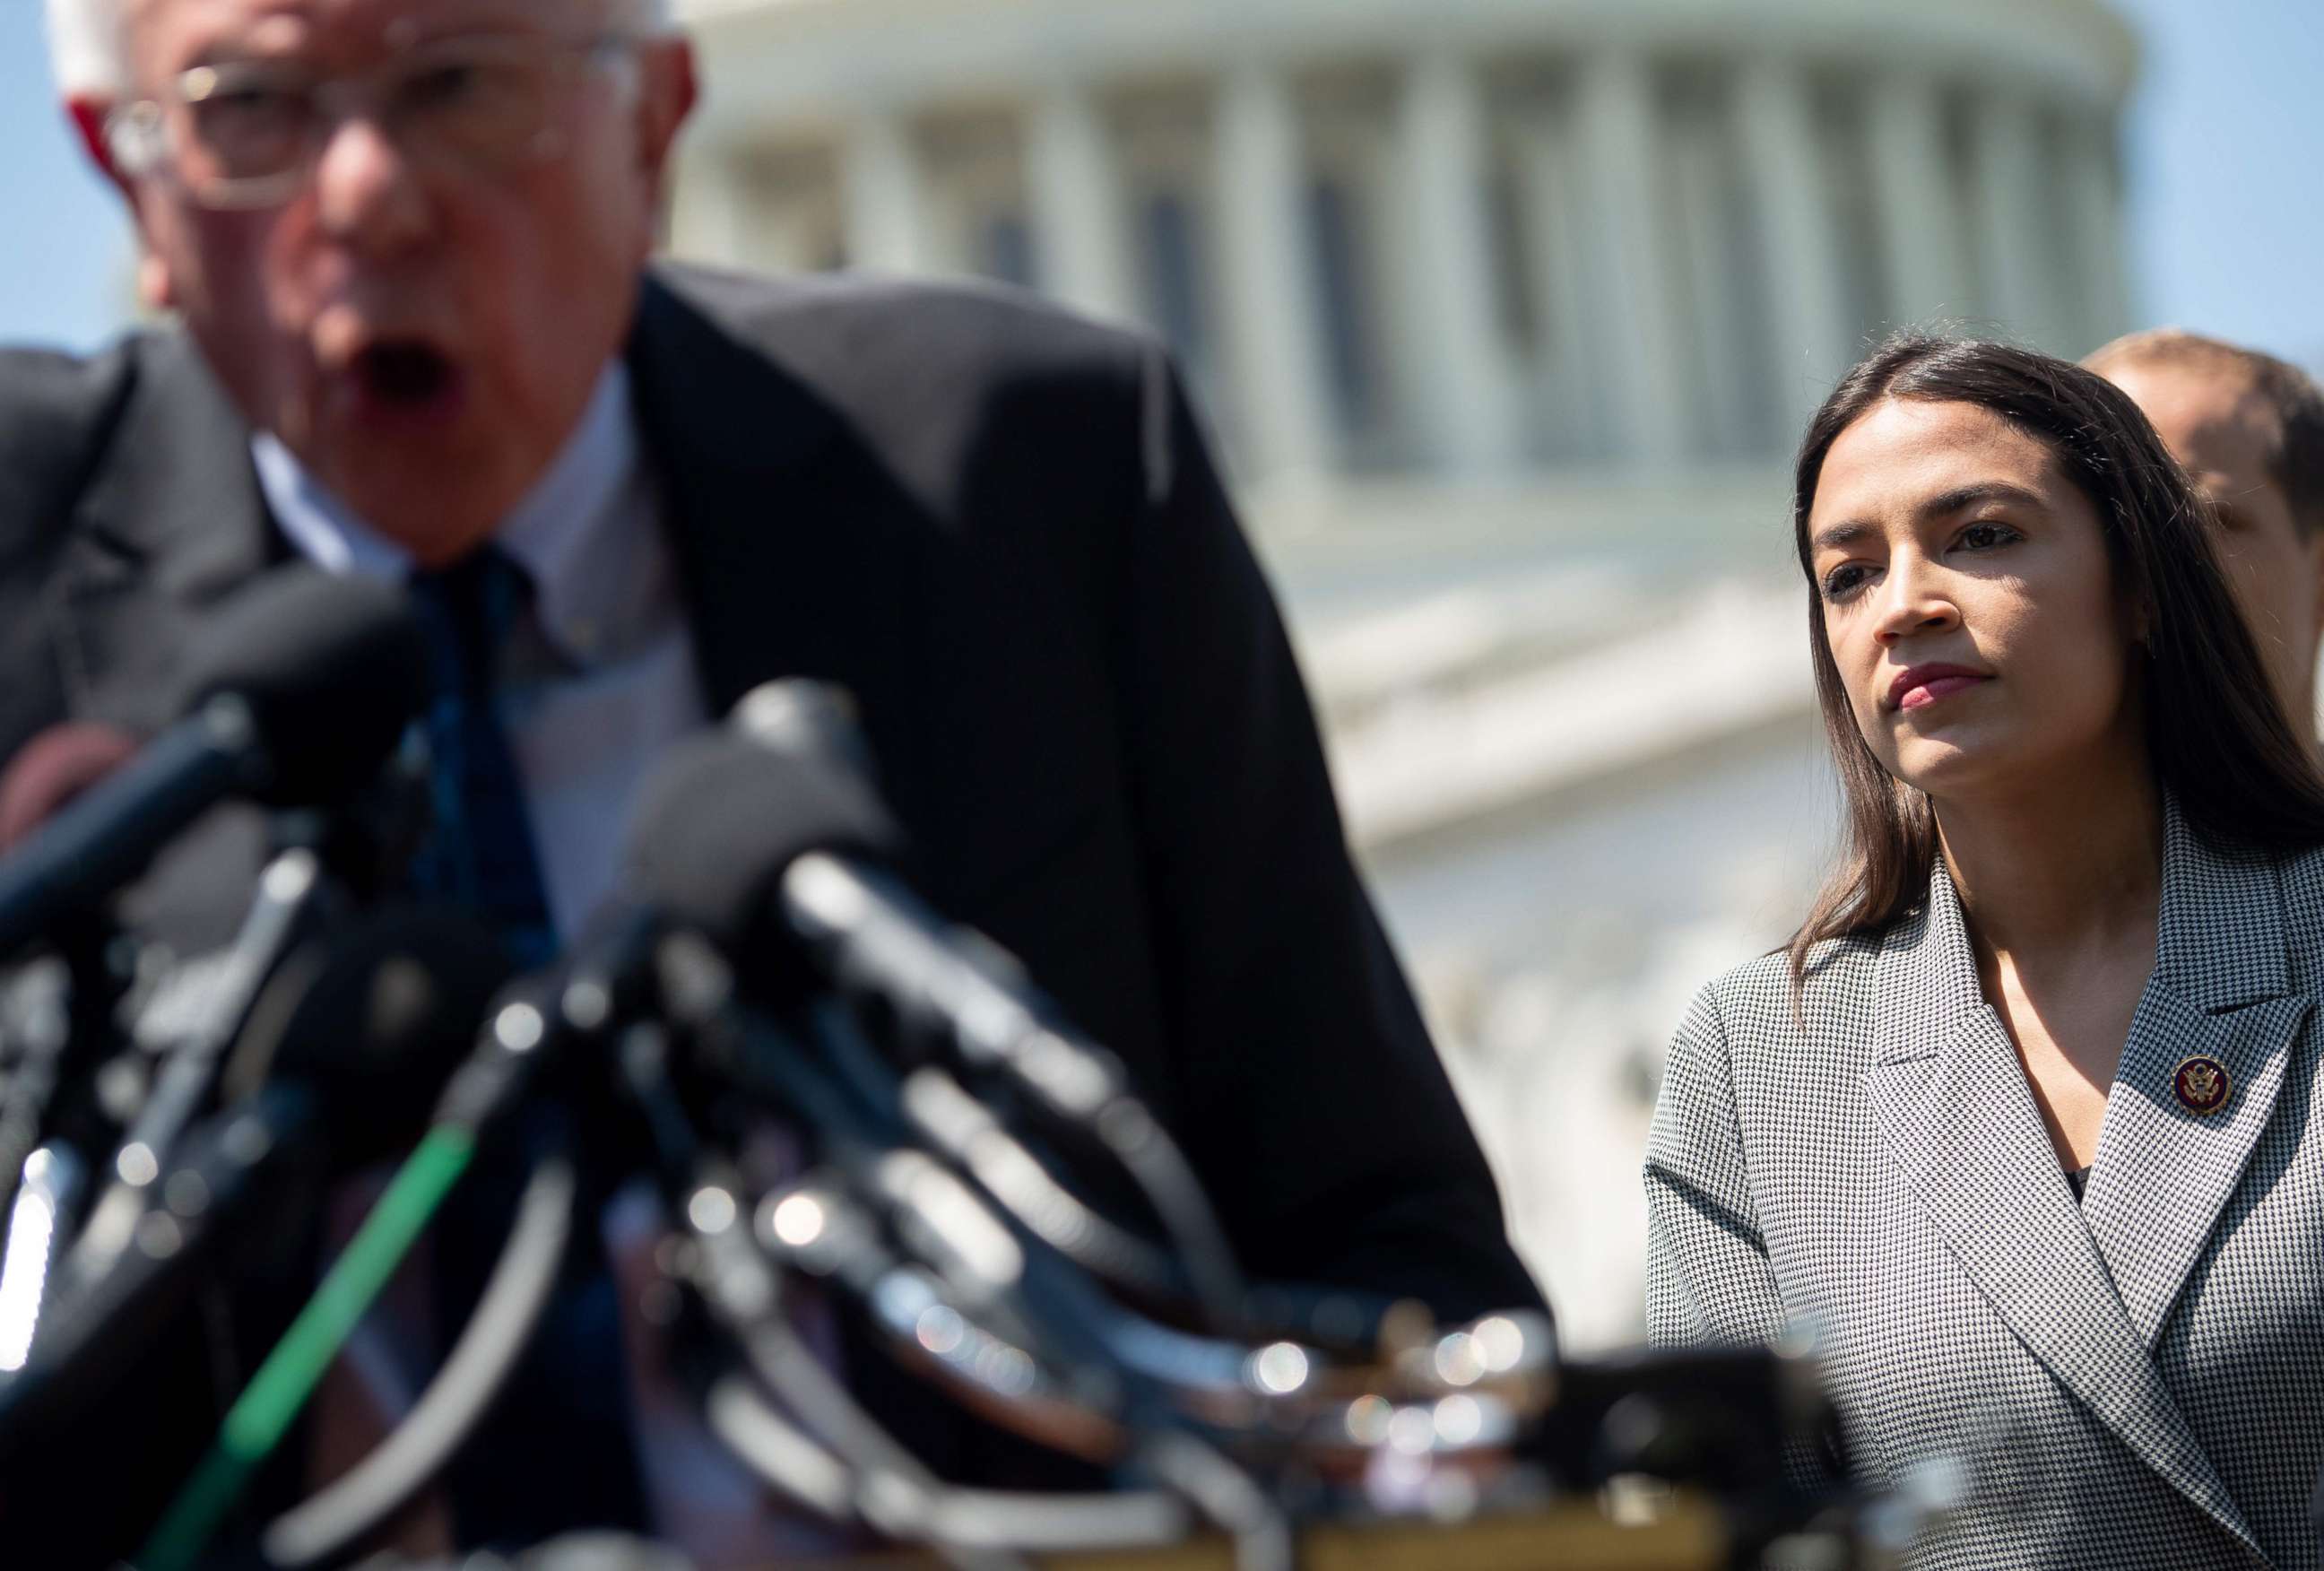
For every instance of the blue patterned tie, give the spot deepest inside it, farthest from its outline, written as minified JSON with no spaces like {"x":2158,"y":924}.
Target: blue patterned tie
{"x":481,"y":854}
{"x":556,"y":1452}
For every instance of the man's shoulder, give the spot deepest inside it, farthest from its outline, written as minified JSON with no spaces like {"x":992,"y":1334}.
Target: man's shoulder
{"x":855,"y":330}
{"x":1003,"y":415}
{"x":56,"y":413}
{"x":49,"y":397}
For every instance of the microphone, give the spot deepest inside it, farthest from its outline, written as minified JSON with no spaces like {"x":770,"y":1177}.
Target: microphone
{"x":341,"y":1061}
{"x":769,"y":839}
{"x":300,"y":688}
{"x":771,"y":852}
{"x":375,"y":1023}
{"x":54,"y":767}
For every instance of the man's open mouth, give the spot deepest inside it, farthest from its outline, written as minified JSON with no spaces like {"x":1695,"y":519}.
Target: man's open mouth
{"x":405,"y":375}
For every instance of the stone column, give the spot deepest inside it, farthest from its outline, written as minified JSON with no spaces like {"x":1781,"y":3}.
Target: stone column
{"x":1724,"y":329}
{"x":1921,"y":221}
{"x":881,"y":195}
{"x":1799,"y":235}
{"x":1460,"y":383}
{"x":2094,"y":190}
{"x":1078,"y":214}
{"x":2012,"y":222}
{"x":1274,"y":350}
{"x":1559,"y":228}
{"x":1638,"y":351}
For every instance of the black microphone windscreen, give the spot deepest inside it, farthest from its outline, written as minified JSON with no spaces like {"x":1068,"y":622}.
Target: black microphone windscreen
{"x":797,"y":715}
{"x":333,"y":669}
{"x":722,"y":820}
{"x":377,"y":1017}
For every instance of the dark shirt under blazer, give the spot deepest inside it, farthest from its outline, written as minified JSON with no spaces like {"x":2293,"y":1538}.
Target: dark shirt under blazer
{"x":2135,"y":1381}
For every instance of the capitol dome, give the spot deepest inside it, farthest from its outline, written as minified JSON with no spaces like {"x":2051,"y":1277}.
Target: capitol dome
{"x":1467,"y":238}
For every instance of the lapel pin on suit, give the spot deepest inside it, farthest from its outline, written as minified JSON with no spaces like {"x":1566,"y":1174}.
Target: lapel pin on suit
{"x":2202,"y":1084}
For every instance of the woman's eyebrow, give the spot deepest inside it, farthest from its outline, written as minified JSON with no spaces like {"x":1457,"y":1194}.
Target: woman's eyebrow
{"x":1943,"y":504}
{"x":1833,"y":536}
{"x":1963,"y":498}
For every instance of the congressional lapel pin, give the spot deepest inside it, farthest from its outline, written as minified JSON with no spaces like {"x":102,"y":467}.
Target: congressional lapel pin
{"x":2202,"y":1085}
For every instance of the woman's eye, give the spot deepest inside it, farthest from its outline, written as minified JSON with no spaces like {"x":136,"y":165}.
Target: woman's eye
{"x":1843,"y":580}
{"x":1984,"y":537}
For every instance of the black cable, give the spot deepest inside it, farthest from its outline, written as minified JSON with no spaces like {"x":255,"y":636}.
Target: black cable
{"x":933,"y":1103}
{"x":1051,"y":1290}
{"x":1233,"y":1501}
{"x":791,"y":1461}
{"x":1135,"y":1358}
{"x":963,"y":1521}
{"x":743,"y":1291}
{"x":1162,"y":1171}
{"x":994,"y":1024}
{"x":517,"y":1294}
{"x":911,"y":1506}
{"x":786,"y":1458}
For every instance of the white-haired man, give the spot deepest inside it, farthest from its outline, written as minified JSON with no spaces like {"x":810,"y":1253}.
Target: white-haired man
{"x":407,"y":242}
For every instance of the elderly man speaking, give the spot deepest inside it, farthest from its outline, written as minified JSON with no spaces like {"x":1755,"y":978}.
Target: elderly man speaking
{"x":404,"y":246}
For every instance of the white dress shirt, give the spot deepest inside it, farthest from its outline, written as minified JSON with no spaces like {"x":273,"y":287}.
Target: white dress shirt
{"x":587,"y":726}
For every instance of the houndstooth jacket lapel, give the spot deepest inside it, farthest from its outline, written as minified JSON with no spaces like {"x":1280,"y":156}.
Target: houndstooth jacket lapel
{"x":1952,"y":1102}
{"x":2221,"y":990}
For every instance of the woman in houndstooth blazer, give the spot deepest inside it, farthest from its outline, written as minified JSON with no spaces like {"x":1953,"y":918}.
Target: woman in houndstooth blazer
{"x":2019,"y":1126}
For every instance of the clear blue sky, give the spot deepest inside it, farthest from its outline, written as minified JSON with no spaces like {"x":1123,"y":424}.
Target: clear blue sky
{"x":2226,"y":142}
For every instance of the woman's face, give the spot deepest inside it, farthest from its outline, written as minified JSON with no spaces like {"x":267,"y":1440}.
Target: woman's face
{"x":1968,"y":602}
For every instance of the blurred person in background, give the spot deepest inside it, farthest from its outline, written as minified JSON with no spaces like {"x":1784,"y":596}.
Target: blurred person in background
{"x":2249,"y":431}
{"x":2019,"y":1126}
{"x":405,"y":245}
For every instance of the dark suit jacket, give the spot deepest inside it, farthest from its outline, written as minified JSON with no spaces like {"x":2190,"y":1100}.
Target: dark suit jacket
{"x":999,"y":526}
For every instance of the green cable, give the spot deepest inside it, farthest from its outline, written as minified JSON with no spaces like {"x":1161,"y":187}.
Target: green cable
{"x":269,"y":1405}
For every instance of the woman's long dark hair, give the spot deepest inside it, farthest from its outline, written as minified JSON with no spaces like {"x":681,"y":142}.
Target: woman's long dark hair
{"x":2220,"y":742}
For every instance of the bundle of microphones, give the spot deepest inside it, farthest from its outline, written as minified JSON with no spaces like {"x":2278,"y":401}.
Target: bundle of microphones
{"x":975,"y":1180}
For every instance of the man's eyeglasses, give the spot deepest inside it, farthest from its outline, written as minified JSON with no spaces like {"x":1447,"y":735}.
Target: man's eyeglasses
{"x":248,"y":133}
